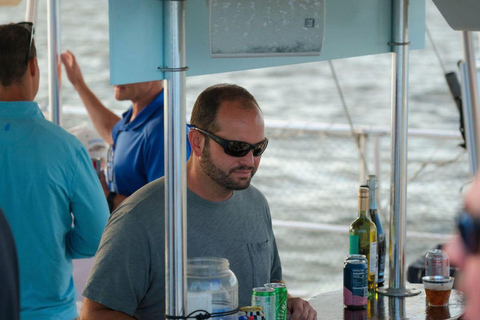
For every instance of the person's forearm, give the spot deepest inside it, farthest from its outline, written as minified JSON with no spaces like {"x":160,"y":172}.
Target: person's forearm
{"x":105,"y":315}
{"x":92,"y":310}
{"x":118,"y":199}
{"x":103,"y":119}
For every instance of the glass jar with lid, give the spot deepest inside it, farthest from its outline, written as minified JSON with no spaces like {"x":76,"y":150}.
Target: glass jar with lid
{"x":211,"y":286}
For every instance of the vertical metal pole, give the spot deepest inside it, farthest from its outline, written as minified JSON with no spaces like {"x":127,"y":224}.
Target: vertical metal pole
{"x":175,"y":155}
{"x":473,"y":106}
{"x":398,"y":182}
{"x":468,"y":118}
{"x":31,"y":11}
{"x":53,"y":13}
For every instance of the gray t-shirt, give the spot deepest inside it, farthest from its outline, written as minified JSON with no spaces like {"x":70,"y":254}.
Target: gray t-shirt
{"x":129,"y":270}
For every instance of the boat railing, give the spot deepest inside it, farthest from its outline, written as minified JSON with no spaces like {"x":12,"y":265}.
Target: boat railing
{"x":310,"y":175}
{"x":364,"y":133}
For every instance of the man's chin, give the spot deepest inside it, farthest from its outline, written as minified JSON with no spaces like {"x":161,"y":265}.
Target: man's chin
{"x":241,"y":185}
{"x":120,"y":98}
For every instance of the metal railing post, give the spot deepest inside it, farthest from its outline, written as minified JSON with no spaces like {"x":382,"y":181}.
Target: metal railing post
{"x":31,"y":11}
{"x":471,"y":106}
{"x":398,"y":183}
{"x":175,"y":155}
{"x":468,"y":120}
{"x":53,"y":13}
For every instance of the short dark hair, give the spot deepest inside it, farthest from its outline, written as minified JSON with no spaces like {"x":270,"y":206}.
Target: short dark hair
{"x":204,"y":113}
{"x":14,"y":42}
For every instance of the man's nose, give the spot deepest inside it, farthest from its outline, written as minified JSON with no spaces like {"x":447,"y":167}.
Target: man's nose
{"x":248,"y":159}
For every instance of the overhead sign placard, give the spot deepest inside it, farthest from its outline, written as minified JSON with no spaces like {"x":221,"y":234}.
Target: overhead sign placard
{"x":259,"y":28}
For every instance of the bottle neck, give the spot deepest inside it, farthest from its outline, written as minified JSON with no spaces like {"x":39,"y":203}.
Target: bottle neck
{"x":372,"y":200}
{"x":362,"y":206}
{"x":372,"y":188}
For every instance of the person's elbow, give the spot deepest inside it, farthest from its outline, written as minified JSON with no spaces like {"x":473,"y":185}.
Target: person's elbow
{"x":82,"y":246}
{"x":92,"y":310}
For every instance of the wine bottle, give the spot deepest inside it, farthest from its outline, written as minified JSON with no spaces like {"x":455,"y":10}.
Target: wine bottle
{"x":381,"y":241}
{"x":363,"y":239}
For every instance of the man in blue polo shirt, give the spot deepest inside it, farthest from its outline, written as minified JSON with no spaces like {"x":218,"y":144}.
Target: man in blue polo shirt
{"x":49,"y":190}
{"x":136,"y":155}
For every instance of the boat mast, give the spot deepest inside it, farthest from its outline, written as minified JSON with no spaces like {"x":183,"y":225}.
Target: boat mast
{"x":398,"y":183}
{"x":175,"y":155}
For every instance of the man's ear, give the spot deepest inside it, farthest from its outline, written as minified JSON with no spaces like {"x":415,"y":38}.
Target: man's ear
{"x":32,"y":66}
{"x":197,"y":141}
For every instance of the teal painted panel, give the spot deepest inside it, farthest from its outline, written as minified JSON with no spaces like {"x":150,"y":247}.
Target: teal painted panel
{"x":352,"y":28}
{"x":136,"y":39}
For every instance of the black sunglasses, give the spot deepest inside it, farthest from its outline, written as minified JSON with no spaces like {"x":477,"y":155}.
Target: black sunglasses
{"x":31,"y":30}
{"x":469,"y":228}
{"x":236,"y":148}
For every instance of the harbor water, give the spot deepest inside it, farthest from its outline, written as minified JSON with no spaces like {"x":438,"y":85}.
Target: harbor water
{"x":310,"y":178}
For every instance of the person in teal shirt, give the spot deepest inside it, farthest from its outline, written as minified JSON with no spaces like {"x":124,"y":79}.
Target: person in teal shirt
{"x":49,"y":191}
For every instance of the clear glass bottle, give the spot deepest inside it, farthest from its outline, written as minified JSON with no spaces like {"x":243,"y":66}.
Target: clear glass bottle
{"x":363,"y":239}
{"x":211,"y":286}
{"x":381,"y":241}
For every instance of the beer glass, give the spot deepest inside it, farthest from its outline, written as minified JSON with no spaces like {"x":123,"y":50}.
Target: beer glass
{"x":437,"y":289}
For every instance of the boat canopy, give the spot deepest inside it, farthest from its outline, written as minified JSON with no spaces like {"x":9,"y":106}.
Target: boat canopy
{"x":326,"y":30}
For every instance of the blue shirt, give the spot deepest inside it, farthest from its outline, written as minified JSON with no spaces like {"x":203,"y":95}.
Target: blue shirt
{"x":54,"y":203}
{"x":139,"y":149}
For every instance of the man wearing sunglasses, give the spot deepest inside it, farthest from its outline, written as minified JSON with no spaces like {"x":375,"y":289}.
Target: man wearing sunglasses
{"x":49,"y":192}
{"x":227,"y":217}
{"x":464,"y":250}
{"x":136,"y":155}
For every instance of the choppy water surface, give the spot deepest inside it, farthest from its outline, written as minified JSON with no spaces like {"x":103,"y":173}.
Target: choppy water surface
{"x":309,"y":177}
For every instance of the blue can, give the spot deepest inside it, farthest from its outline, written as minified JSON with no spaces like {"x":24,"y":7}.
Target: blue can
{"x":242,"y":315}
{"x":355,"y":284}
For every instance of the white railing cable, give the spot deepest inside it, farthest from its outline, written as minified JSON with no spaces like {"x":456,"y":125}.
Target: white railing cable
{"x":333,"y":228}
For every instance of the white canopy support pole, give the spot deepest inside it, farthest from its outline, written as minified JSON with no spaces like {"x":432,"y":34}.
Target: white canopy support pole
{"x":53,"y":14}
{"x":468,"y":118}
{"x":31,"y":11}
{"x":398,"y":182}
{"x":471,"y":106}
{"x":175,"y":157}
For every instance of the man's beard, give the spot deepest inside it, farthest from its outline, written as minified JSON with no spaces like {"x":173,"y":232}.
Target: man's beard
{"x":223,"y":178}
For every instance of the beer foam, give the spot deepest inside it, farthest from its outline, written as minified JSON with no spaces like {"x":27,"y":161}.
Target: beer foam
{"x":438,"y":283}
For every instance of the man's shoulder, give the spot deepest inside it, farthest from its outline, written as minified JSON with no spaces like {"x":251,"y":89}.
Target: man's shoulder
{"x":156,"y":120}
{"x":251,"y":193}
{"x":57,"y":136}
{"x":144,"y":203}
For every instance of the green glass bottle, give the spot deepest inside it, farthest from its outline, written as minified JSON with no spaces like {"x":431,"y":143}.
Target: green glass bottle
{"x":363,"y":239}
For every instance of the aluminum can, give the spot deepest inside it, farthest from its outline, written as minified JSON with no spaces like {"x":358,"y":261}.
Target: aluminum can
{"x":355,"y":284}
{"x":357,"y":256}
{"x":265,"y":298}
{"x":350,"y":314}
{"x":253,"y":312}
{"x":280,"y":299}
{"x":97,"y":165}
{"x":242,"y":315}
{"x":437,"y":263}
